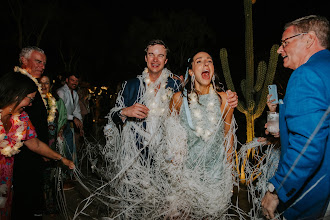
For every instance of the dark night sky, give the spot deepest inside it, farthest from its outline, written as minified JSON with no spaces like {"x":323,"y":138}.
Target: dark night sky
{"x":108,"y":48}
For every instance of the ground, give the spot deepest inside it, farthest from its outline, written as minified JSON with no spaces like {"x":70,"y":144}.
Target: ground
{"x":76,"y":195}
{"x":73,"y":198}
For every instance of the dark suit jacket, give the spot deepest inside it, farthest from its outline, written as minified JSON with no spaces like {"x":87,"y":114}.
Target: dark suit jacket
{"x":29,"y":167}
{"x":131,"y":96}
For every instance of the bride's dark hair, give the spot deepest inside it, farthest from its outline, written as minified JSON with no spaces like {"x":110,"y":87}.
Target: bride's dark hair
{"x":14,"y":87}
{"x":187,"y":81}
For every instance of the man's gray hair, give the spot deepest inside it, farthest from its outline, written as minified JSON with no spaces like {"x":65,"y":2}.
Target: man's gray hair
{"x":318,"y":24}
{"x":26,"y":52}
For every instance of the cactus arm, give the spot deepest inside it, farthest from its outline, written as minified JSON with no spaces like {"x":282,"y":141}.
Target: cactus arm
{"x":241,"y":107}
{"x":226,"y":69}
{"x":261,"y":74}
{"x":269,"y":80}
{"x":243,"y":88}
{"x":229,"y":81}
{"x":273,"y":58}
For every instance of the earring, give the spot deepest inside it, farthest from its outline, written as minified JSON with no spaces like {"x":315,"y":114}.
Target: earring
{"x":10,"y":109}
{"x":192,"y":82}
{"x":213,"y":82}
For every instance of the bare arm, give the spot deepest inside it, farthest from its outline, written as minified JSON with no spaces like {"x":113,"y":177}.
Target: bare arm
{"x":41,"y":148}
{"x":176,"y":102}
{"x":227,"y":112}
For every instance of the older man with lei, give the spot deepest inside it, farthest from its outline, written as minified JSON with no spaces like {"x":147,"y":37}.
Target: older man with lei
{"x":28,"y":164}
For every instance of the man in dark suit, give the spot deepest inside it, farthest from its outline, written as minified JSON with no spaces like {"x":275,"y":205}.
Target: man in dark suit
{"x":301,"y":184}
{"x":28,"y":202}
{"x":134,"y":101}
{"x":156,"y":58}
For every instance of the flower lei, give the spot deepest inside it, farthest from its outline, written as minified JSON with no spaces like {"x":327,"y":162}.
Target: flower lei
{"x":52,"y":107}
{"x":156,"y":97}
{"x":10,"y":148}
{"x":24,"y":72}
{"x":205,"y":126}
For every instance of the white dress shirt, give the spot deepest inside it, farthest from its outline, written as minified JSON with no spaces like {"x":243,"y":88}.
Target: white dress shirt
{"x":72,"y":106}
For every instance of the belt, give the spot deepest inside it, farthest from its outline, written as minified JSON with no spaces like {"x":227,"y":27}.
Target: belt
{"x":71,"y":123}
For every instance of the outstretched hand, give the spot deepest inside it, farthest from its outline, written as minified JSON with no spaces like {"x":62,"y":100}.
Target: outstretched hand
{"x":68,"y":163}
{"x":232,"y":98}
{"x":135,"y":111}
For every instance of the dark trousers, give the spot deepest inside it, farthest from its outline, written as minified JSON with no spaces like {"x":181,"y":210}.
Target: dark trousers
{"x":28,"y":199}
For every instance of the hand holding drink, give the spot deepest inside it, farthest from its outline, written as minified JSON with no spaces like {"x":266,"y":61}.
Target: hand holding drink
{"x":273,"y":122}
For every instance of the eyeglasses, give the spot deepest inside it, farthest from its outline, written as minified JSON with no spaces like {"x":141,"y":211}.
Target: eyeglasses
{"x":284,"y":42}
{"x":31,"y":99}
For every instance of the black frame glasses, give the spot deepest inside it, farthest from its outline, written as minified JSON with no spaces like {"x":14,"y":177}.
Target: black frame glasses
{"x":284,"y":42}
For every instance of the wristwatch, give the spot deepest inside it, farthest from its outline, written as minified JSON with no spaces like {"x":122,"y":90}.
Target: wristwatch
{"x":123,"y":117}
{"x":120,"y":113}
{"x":271,"y":188}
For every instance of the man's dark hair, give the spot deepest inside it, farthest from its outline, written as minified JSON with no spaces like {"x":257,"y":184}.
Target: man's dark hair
{"x":157,"y":42}
{"x":68,"y":74}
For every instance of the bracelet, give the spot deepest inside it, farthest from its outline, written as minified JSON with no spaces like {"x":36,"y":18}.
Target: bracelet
{"x":59,"y":158}
{"x":121,"y":115}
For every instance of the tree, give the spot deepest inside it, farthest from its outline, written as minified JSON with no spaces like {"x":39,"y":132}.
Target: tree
{"x":183,"y":31}
{"x":31,"y":19}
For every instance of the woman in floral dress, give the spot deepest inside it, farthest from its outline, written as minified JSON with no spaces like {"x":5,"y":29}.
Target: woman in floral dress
{"x":16,"y":92}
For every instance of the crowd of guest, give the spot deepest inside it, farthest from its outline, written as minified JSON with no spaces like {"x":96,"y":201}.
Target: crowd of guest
{"x":37,"y":123}
{"x":41,"y":126}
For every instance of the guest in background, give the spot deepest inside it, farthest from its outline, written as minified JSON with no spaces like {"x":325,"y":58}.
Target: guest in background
{"x":57,"y":118}
{"x":74,"y":119}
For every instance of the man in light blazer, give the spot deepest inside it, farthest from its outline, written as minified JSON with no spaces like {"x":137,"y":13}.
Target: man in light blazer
{"x":300,"y":188}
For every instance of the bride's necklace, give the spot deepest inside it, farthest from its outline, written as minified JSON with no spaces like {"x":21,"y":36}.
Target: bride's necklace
{"x":204,"y":117}
{"x":10,"y":148}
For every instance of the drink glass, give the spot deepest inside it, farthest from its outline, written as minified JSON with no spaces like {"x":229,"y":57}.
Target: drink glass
{"x":273,"y":122}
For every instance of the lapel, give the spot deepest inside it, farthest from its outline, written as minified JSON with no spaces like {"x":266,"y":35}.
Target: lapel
{"x":284,"y":132}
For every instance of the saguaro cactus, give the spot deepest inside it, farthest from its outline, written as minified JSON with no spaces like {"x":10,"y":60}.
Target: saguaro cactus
{"x":254,"y":92}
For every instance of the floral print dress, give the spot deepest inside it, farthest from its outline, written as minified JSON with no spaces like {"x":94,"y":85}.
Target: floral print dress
{"x":6,"y":163}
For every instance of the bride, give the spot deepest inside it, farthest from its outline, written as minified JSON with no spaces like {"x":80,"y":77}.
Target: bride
{"x":201,"y":162}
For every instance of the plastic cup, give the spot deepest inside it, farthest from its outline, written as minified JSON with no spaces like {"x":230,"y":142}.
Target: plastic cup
{"x":273,"y":125}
